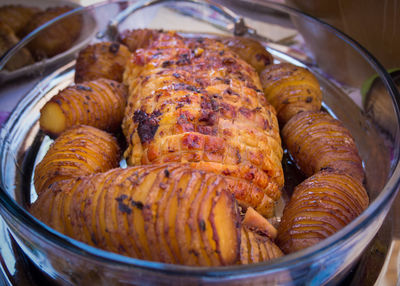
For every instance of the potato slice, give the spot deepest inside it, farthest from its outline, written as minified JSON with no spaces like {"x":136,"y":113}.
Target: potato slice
{"x":170,"y":217}
{"x":197,"y":226}
{"x":244,"y":246}
{"x":256,"y":248}
{"x":225,"y":223}
{"x":151,"y":205}
{"x":139,"y":227}
{"x":255,"y":255}
{"x":184,"y":221}
{"x":171,"y":176}
{"x":254,"y":220}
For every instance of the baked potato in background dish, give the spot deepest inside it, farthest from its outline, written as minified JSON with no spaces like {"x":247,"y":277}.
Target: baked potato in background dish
{"x":194,"y":100}
{"x":56,"y":39}
{"x":320,"y":206}
{"x":101,"y":60}
{"x":290,"y":89}
{"x":99,"y":103}
{"x":17,"y":17}
{"x":7,"y":40}
{"x":166,"y":213}
{"x":79,"y":151}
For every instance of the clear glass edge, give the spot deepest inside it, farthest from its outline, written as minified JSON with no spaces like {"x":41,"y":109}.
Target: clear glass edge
{"x":287,"y":262}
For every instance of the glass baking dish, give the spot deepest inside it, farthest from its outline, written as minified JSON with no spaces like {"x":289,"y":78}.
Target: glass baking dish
{"x":70,"y":262}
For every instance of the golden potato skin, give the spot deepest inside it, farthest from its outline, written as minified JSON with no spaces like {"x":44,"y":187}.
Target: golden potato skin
{"x":17,"y":16}
{"x":194,"y":100}
{"x":319,"y":207}
{"x":79,"y":151}
{"x":101,"y":60}
{"x":7,"y":40}
{"x":138,"y":38}
{"x":317,"y":141}
{"x":249,"y":50}
{"x":255,"y":248}
{"x":98,"y":103}
{"x":167,"y":213}
{"x":57,"y":38}
{"x":290,"y":89}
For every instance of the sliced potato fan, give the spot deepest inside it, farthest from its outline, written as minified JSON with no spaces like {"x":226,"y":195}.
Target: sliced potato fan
{"x":121,"y":211}
{"x":318,"y":141}
{"x":99,"y":103}
{"x":79,"y":151}
{"x":319,"y":207}
{"x":291,"y":90}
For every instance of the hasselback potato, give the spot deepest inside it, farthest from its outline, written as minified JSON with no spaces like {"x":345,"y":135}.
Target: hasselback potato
{"x":17,"y":16}
{"x":138,"y":38}
{"x":319,"y":207}
{"x":79,"y":151}
{"x":194,"y":100}
{"x":167,"y":213}
{"x":290,"y":89}
{"x":99,"y":103}
{"x":101,"y":60}
{"x":255,"y":247}
{"x":57,"y":38}
{"x":7,"y":40}
{"x":249,"y":50}
{"x":317,"y":141}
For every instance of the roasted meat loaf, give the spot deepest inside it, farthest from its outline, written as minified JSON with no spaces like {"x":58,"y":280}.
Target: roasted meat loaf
{"x":194,"y":100}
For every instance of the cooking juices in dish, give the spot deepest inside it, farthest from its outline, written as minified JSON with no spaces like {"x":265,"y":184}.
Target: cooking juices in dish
{"x":204,"y":156}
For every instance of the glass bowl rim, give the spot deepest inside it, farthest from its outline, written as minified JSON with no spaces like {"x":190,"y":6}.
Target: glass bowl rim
{"x":232,"y":272}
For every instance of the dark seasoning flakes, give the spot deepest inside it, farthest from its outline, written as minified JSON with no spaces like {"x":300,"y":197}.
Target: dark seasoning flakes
{"x":114,"y":48}
{"x":126,"y":207}
{"x":147,"y":124}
